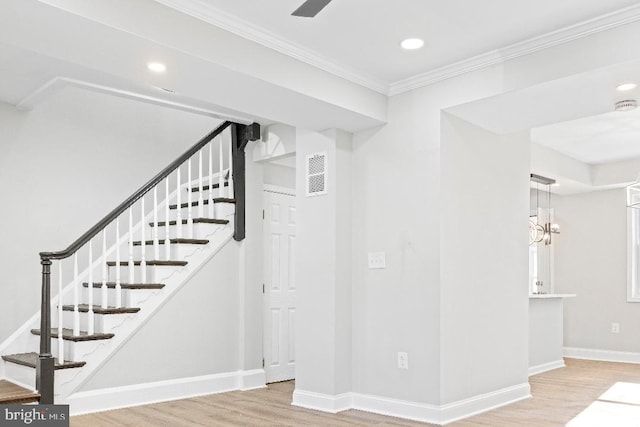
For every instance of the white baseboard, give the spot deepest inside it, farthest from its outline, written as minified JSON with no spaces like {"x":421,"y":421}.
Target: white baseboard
{"x":484,"y":402}
{"x":433,"y":414}
{"x":251,"y":380}
{"x":322,"y":402}
{"x":602,"y":355}
{"x":538,"y":369}
{"x":397,"y":408}
{"x":143,"y":394}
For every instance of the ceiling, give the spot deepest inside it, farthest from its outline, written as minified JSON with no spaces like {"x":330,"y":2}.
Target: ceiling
{"x":358,"y":40}
{"x":363,"y":36}
{"x":603,"y":138}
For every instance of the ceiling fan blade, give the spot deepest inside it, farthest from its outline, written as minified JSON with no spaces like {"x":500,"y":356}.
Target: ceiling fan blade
{"x":310,"y":8}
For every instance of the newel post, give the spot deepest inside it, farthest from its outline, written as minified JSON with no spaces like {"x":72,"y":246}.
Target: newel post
{"x":45,"y":362}
{"x":240,"y":136}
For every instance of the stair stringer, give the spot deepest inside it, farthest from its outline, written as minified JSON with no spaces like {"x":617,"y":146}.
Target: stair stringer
{"x":97,"y":353}
{"x":22,"y":338}
{"x":126,"y":330}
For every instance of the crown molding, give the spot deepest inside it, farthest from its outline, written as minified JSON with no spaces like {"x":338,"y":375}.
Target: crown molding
{"x":202,"y":10}
{"x":206,"y":12}
{"x":554,"y":38}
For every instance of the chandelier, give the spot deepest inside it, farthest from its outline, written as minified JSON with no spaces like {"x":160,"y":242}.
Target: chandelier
{"x":541,"y":232}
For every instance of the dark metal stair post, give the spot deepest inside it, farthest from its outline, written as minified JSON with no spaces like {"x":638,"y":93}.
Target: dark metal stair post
{"x":45,"y":364}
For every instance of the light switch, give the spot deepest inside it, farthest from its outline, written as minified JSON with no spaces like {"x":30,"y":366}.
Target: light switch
{"x":377,"y":260}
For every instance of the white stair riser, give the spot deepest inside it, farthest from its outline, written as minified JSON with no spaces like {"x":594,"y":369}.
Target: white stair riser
{"x":154,"y":273}
{"x":76,"y":350}
{"x":130,"y":297}
{"x":200,"y":231}
{"x":24,"y":375}
{"x":177,"y":251}
{"x":220,"y":211}
{"x":103,"y":323}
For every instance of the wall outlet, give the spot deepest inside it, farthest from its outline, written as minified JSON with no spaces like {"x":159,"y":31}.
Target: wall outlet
{"x":615,"y":328}
{"x":403,"y":360}
{"x":377,"y":260}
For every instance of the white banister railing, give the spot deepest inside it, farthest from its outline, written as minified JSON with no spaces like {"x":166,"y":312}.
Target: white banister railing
{"x":76,"y":296}
{"x":143,"y":246}
{"x":210,"y":198}
{"x":156,"y":241}
{"x":178,"y":210}
{"x":189,"y":207}
{"x":230,"y":179}
{"x":220,"y":169}
{"x":167,"y":218}
{"x":200,"y":188}
{"x":105,"y":272}
{"x":130,"y":263}
{"x":60,"y":315}
{"x":118,"y":286}
{"x":91,"y":325}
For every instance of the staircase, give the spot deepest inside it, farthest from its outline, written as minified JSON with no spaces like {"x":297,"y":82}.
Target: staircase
{"x":135,"y":263}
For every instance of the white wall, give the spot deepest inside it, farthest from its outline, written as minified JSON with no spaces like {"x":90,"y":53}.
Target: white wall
{"x":483,"y":260}
{"x":66,"y":164}
{"x":398,"y":209}
{"x":204,"y":341}
{"x":282,"y":176}
{"x":591,"y":262}
{"x":323,"y":269}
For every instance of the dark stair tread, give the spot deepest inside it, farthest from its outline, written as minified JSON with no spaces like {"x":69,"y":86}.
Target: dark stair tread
{"x":29,"y":359}
{"x":173,"y":242}
{"x":97,"y":309}
{"x":204,"y":202}
{"x":206,"y":187}
{"x":195,"y":221}
{"x":112,"y":285}
{"x":150,"y":263}
{"x":11,"y":393}
{"x":67,"y":334}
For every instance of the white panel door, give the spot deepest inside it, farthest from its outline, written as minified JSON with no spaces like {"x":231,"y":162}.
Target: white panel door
{"x":279,"y":233}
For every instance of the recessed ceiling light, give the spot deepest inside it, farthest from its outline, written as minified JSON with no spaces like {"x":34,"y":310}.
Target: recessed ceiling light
{"x":626,"y":87}
{"x":157,"y":67}
{"x":411,"y":44}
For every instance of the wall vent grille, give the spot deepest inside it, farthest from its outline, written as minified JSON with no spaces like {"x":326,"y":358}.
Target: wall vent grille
{"x":316,"y":174}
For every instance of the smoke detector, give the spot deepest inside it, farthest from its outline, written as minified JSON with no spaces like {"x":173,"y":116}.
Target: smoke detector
{"x":626,"y":105}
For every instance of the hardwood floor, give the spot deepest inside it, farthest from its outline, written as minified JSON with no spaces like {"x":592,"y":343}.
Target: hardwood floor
{"x":574,"y":396}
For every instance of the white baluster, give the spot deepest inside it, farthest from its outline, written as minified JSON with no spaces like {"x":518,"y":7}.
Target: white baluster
{"x":91,"y":326}
{"x":210,"y":199}
{"x":103,"y":288}
{"x":156,"y":241}
{"x":179,"y":208}
{"x":189,"y":207}
{"x":118,"y":283}
{"x":230,"y":179}
{"x":167,"y":238}
{"x":200,"y":189}
{"x":143,"y":247}
{"x":76,"y":297}
{"x":220,"y":170}
{"x":131,"y":264}
{"x":60,"y":304}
